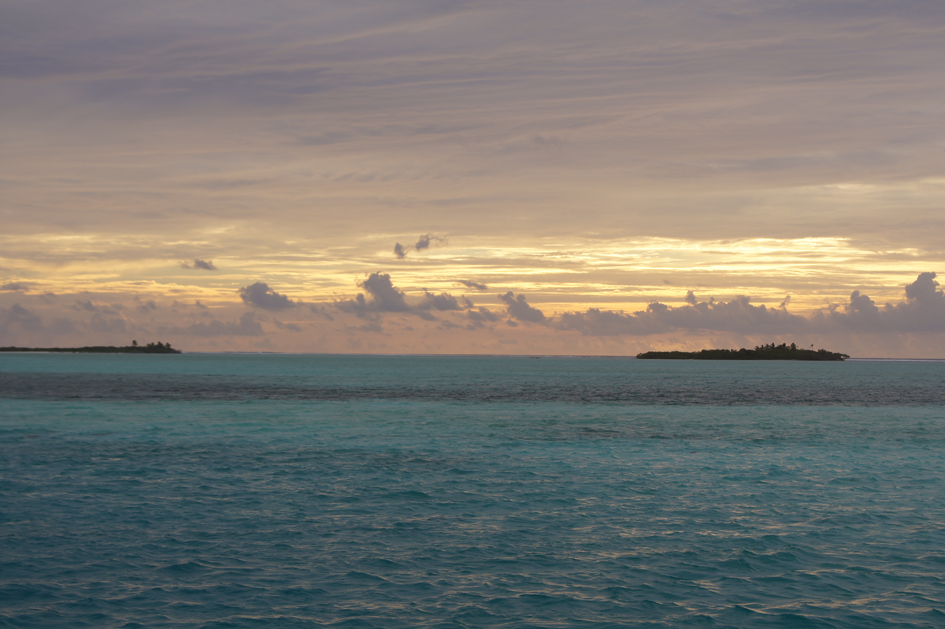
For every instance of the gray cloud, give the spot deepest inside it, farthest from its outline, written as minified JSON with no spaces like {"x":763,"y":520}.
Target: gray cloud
{"x":424,"y":242}
{"x":287,"y":326}
{"x":923,"y":310}
{"x":146,"y":306}
{"x":426,"y":239}
{"x":16,"y":319}
{"x":88,"y":306}
{"x":206,"y":265}
{"x":443,"y":301}
{"x":15,"y":286}
{"x":22,"y":317}
{"x":260,"y":295}
{"x":519,"y":309}
{"x":479,"y":318}
{"x":385,"y":297}
{"x":737,"y":315}
{"x":100,"y":323}
{"x":474,"y":285}
{"x":321,"y":311}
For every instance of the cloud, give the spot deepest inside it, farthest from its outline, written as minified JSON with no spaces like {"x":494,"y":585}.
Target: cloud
{"x":321,"y":311}
{"x":88,"y":306}
{"x":24,"y":318}
{"x":923,"y":289}
{"x":15,"y":286}
{"x":385,"y":297}
{"x":16,"y":317}
{"x":519,"y":309}
{"x":443,"y":301}
{"x":478,"y":318}
{"x":923,"y":310}
{"x":246,"y":326}
{"x":426,"y":239}
{"x":424,"y":242}
{"x":100,"y":323}
{"x":737,"y":315}
{"x":260,"y":295}
{"x":286,"y":326}
{"x":474,"y":285}
{"x":206,"y":265}
{"x":145,"y":307}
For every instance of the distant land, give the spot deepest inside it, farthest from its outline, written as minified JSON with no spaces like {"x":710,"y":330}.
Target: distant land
{"x":761,"y":352}
{"x":134,"y":348}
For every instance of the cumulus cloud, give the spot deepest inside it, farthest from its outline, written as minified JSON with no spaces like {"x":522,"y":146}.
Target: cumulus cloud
{"x":15,"y":286}
{"x":443,"y":301}
{"x":737,"y":315}
{"x":479,"y":318}
{"x":923,"y":310}
{"x":16,"y":319}
{"x":260,"y":295}
{"x":519,"y":309}
{"x":147,"y":306}
{"x":22,"y":317}
{"x":474,"y":285}
{"x":321,"y":311}
{"x":383,"y":296}
{"x":88,"y":306}
{"x":101,"y":323}
{"x":206,"y":265}
{"x":424,"y":242}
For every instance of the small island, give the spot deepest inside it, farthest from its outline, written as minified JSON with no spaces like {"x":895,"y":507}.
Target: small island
{"x":134,"y":348}
{"x":761,"y":352}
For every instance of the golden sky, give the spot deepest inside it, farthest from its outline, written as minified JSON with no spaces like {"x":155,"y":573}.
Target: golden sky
{"x":531,"y":177}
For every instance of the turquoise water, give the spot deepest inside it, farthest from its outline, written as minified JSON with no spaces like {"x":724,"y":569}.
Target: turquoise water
{"x":358,"y":491}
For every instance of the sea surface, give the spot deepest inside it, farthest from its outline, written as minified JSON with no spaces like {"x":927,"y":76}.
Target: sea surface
{"x":214,"y":490}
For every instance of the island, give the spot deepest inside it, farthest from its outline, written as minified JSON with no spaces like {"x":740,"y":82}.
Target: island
{"x":761,"y":352}
{"x":134,"y":348}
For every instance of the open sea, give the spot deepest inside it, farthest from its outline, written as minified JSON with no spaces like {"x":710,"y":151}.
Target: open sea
{"x":214,"y":490}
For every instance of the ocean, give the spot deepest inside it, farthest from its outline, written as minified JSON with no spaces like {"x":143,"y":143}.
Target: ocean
{"x":215,"y":490}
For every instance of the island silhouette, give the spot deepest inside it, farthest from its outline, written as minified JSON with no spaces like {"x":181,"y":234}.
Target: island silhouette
{"x":134,"y":348}
{"x":761,"y":352}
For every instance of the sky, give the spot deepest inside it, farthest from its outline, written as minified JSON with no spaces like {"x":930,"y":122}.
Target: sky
{"x":472,"y":176}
